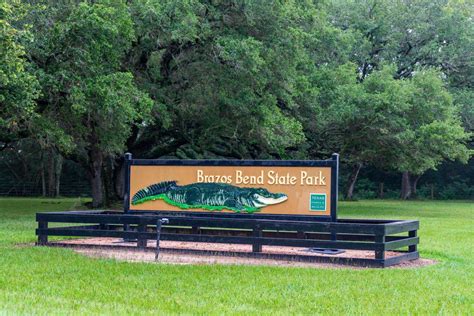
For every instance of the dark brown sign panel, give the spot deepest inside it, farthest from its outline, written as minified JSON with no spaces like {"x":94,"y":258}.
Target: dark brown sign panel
{"x":241,"y":187}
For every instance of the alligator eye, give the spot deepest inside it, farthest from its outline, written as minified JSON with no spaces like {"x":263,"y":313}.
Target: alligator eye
{"x":255,"y":195}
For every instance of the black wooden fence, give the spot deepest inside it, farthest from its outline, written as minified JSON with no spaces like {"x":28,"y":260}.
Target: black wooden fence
{"x":378,"y":236}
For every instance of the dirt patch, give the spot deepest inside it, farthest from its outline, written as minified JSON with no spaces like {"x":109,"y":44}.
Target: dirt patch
{"x":229,"y":254}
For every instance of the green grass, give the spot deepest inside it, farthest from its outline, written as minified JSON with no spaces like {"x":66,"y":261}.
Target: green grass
{"x":45,"y":280}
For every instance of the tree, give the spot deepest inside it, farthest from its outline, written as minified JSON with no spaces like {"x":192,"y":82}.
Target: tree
{"x":408,"y":124}
{"x":433,"y":131}
{"x":18,"y":87}
{"x":233,"y":76}
{"x":101,"y":115}
{"x":413,"y":35}
{"x":250,"y":79}
{"x":91,"y":103}
{"x":362,"y":119}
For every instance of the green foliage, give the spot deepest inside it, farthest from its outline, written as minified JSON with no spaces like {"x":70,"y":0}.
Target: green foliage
{"x":423,"y":40}
{"x":365,"y":117}
{"x":464,"y":100}
{"x":88,"y":102}
{"x":433,"y":132}
{"x":107,"y":106}
{"x":457,"y":189}
{"x":245,"y":67}
{"x":403,"y":124}
{"x":92,"y":39}
{"x":411,"y":34}
{"x":385,"y":83}
{"x":18,"y":87}
{"x":281,"y":131}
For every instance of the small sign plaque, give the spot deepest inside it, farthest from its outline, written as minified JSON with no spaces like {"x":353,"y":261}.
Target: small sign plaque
{"x":317,"y":202}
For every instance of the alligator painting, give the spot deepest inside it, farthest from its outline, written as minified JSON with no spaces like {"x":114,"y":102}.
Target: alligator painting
{"x":209,"y":196}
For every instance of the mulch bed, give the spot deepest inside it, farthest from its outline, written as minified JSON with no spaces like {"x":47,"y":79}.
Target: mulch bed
{"x":229,"y":254}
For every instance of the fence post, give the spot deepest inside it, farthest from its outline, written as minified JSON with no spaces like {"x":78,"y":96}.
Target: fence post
{"x":257,"y":233}
{"x":380,"y":254}
{"x":141,"y":240}
{"x":42,"y":238}
{"x":412,"y":248}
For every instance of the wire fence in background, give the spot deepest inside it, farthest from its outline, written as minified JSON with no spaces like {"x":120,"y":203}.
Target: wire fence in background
{"x":70,"y":189}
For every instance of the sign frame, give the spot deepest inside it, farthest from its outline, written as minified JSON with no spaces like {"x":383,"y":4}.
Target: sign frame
{"x":332,"y":163}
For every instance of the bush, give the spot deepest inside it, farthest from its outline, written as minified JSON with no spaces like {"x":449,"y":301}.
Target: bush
{"x":458,"y":189}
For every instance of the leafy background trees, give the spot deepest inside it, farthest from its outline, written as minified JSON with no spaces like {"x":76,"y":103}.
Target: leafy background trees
{"x":18,"y":87}
{"x":387,"y":84}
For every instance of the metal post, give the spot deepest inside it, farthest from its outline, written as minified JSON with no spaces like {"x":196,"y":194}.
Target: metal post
{"x":334,"y":192}
{"x":159,"y":222}
{"x":126,"y":189}
{"x":127,"y":160}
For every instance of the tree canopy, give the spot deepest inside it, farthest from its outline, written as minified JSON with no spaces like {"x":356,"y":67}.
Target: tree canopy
{"x":18,"y":87}
{"x":385,"y":83}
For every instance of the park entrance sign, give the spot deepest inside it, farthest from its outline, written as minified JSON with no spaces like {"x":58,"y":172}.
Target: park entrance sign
{"x":234,"y":186}
{"x":272,"y":206}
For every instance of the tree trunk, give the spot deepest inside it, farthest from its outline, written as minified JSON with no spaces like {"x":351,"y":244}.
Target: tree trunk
{"x":381,"y":193}
{"x":414,"y":184}
{"x":352,"y":181}
{"x":108,"y":176}
{"x":54,"y":169}
{"x":43,"y":179}
{"x":58,"y":170}
{"x":95,"y":170}
{"x":119,"y":171}
{"x":406,"y":187}
{"x":51,"y":174}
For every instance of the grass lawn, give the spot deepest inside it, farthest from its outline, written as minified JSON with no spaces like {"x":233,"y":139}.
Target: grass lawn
{"x":45,"y":280}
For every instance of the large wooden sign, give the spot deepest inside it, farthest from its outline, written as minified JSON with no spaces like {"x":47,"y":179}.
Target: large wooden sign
{"x":233,"y":186}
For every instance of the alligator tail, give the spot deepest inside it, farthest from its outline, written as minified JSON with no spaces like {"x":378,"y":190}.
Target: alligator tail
{"x":150,"y":192}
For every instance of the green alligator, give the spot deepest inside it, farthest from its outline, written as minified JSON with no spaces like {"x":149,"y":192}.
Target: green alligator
{"x":209,"y":196}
